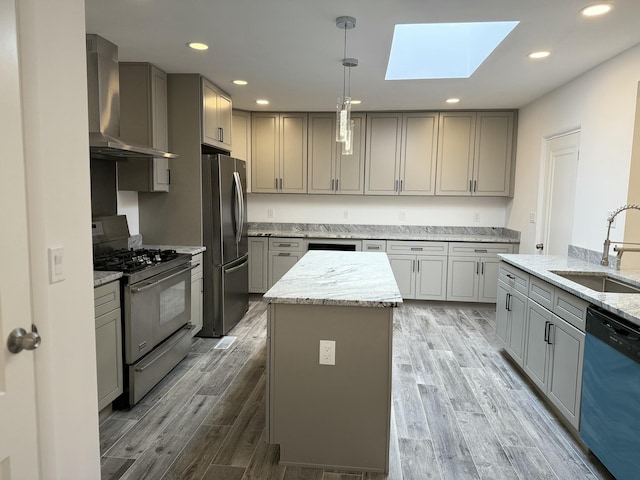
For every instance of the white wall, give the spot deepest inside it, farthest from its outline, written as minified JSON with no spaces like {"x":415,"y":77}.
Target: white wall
{"x":54,"y":95}
{"x":128,"y":205}
{"x":378,"y":210}
{"x":602,"y":104}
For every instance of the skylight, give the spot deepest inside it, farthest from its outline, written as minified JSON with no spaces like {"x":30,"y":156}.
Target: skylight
{"x":443,"y":50}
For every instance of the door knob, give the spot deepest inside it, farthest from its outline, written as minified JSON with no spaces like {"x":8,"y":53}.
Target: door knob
{"x":19,"y":339}
{"x":540,"y":246}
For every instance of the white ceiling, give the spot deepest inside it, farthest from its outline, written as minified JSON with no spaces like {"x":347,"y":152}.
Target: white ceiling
{"x":290,"y":51}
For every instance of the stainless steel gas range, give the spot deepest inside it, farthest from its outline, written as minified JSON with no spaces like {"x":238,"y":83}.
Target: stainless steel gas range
{"x":156,"y":306}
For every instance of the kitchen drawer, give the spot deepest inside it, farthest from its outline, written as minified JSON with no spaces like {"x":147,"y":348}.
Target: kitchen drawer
{"x":514,"y":277}
{"x":106,"y":298}
{"x":197,"y":271}
{"x":416,"y":248}
{"x":541,"y":292}
{"x":570,"y":308}
{"x":462,"y":249}
{"x":374,"y":245}
{"x":287,"y":244}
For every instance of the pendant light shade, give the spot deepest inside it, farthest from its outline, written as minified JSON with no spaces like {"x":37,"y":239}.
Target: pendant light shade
{"x":344,"y":125}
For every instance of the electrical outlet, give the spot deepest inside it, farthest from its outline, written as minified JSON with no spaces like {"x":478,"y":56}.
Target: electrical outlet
{"x":402,"y":215}
{"x":345,"y":214}
{"x":269,"y":212}
{"x":327,"y":352}
{"x":476,"y":217}
{"x":532,"y":217}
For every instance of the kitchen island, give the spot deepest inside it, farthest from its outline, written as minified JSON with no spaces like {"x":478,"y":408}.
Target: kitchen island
{"x":329,"y":345}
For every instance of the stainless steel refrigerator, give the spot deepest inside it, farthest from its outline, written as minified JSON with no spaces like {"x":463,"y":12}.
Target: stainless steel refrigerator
{"x":226,"y":261}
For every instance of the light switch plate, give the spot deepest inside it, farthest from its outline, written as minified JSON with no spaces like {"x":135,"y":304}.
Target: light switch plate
{"x":56,"y":270}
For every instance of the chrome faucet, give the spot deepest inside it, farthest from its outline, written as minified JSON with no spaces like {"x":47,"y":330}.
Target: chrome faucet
{"x":607,"y":242}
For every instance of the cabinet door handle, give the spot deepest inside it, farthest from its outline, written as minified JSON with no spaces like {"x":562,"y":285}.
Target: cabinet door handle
{"x":168,"y":176}
{"x":481,"y":268}
{"x":332,"y":184}
{"x":395,"y":189}
{"x":418,"y":266}
{"x":401,"y":185}
{"x":477,"y":268}
{"x":508,"y":302}
{"x":413,"y":265}
{"x":220,"y":134}
{"x":475,"y":185}
{"x":546,"y":331}
{"x":337,"y":184}
{"x":276,"y":183}
{"x":470,"y":185}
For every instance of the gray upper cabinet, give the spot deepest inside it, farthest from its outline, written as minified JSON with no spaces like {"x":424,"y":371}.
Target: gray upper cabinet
{"x":401,"y":153}
{"x":279,"y":152}
{"x":475,"y":153}
{"x":331,"y":172}
{"x":144,"y":121}
{"x":216,"y":116}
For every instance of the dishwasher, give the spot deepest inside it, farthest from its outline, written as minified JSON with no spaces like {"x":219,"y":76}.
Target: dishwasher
{"x":610,"y":414}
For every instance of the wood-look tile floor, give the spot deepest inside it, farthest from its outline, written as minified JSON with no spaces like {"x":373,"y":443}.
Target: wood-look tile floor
{"x":460,"y":411}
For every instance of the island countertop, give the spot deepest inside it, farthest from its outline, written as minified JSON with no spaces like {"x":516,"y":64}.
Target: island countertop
{"x":362,"y":279}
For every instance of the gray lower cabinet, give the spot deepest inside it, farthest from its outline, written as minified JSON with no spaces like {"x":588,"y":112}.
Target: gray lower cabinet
{"x":420,"y":268}
{"x":197,"y":293}
{"x":553,"y":360}
{"x":108,"y":342}
{"x":258,"y":264}
{"x":511,"y":310}
{"x":472,"y":273}
{"x":284,"y":253}
{"x":548,"y":346}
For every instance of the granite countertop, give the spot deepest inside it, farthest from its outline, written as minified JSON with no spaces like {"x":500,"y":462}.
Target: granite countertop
{"x":191,"y":250}
{"x":361,"y":279}
{"x":626,"y":305}
{"x":385,"y":232}
{"x":101,"y":278}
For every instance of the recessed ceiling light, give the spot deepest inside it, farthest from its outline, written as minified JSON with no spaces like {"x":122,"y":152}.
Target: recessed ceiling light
{"x":262,"y":102}
{"x":539,"y":54}
{"x":240,"y":82}
{"x":596,"y":9}
{"x":356,"y":102}
{"x":198,"y":46}
{"x":453,"y":100}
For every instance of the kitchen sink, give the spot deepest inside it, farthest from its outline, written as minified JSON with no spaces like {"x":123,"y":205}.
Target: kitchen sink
{"x":599,"y":282}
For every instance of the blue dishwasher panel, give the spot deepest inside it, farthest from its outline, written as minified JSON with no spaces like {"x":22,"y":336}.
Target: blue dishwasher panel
{"x":610,"y":414}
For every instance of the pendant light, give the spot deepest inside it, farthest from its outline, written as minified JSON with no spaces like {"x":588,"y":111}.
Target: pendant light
{"x":344,"y":125}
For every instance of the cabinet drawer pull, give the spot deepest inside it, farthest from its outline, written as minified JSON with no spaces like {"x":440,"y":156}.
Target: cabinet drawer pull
{"x":416,"y":249}
{"x":284,"y":254}
{"x":511,"y":276}
{"x":373,"y":247}
{"x":480,"y":250}
{"x":284,"y":245}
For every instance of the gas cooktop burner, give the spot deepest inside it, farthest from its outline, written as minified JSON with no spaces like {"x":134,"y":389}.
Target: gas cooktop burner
{"x":130,"y":261}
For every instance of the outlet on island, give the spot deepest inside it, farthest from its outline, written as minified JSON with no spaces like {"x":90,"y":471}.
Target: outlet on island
{"x":327,"y":352}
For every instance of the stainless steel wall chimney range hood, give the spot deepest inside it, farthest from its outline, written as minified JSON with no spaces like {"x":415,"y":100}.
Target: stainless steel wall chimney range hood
{"x":103,"y":78}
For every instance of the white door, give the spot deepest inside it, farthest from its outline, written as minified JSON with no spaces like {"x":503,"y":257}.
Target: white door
{"x":560,"y":192}
{"x":18,"y":442}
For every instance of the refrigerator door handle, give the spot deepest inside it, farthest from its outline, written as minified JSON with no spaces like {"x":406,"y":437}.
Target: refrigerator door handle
{"x":239,"y":206}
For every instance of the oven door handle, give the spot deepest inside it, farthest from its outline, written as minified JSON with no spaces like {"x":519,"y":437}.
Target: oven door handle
{"x":156,"y":282}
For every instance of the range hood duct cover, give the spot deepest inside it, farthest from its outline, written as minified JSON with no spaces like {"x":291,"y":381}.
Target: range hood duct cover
{"x":103,"y":81}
